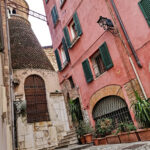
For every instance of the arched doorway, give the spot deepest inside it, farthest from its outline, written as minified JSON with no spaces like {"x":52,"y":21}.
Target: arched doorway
{"x":35,"y":94}
{"x":113,"y":107}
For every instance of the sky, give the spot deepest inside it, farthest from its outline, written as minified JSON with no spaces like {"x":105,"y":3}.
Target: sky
{"x":39,"y":27}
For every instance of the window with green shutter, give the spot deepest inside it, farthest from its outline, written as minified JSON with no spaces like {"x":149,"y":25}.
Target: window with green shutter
{"x":74,"y":32}
{"x":58,"y":60}
{"x":145,"y":8}
{"x":65,"y":49}
{"x":54,"y":14}
{"x":106,"y":56}
{"x":87,"y":71}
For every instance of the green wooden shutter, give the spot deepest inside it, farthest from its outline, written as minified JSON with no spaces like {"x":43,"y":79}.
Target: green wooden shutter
{"x":145,"y":8}
{"x":54,"y":15}
{"x":58,"y":60}
{"x":106,"y":56}
{"x":65,"y":49}
{"x":87,"y":71}
{"x":66,"y":34}
{"x":46,"y":1}
{"x":77,"y":24}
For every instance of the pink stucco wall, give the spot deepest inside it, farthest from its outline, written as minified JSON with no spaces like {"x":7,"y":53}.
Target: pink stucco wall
{"x":93,"y":36}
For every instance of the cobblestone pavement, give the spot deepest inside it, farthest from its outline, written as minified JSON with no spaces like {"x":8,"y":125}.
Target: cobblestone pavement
{"x":127,"y":146}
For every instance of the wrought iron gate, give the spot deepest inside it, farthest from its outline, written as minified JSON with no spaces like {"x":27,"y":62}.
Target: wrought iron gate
{"x":112,"y":107}
{"x":36,"y":99}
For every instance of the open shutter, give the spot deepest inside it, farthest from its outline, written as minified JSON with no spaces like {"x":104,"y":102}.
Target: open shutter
{"x":106,"y":56}
{"x":65,"y":49}
{"x":58,"y":60}
{"x":145,"y":8}
{"x":87,"y":71}
{"x":66,"y":34}
{"x":54,"y":15}
{"x":46,"y":1}
{"x":77,"y":24}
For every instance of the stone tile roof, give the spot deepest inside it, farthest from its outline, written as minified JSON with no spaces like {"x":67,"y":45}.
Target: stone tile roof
{"x":26,"y":52}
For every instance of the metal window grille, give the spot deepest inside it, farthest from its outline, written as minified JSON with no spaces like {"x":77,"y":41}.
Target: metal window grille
{"x":112,"y":107}
{"x":35,"y":94}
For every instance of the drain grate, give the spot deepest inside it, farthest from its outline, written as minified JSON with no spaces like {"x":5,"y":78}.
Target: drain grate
{"x":132,"y":147}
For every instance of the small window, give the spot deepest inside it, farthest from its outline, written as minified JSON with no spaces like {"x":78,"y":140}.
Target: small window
{"x":63,"y":55}
{"x":71,"y":82}
{"x":62,"y":3}
{"x":14,"y":11}
{"x":72,"y":31}
{"x":54,"y":14}
{"x":98,"y":65}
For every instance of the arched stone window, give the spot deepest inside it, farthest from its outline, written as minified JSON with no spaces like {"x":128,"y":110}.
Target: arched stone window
{"x":113,"y":107}
{"x":35,"y":94}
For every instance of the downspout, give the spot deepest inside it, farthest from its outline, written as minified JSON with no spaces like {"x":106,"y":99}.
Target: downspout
{"x":11,"y":78}
{"x":126,"y":34}
{"x":132,"y":49}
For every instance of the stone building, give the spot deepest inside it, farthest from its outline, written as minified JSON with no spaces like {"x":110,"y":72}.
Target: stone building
{"x":40,"y":120}
{"x":105,"y":65}
{"x":6,"y":95}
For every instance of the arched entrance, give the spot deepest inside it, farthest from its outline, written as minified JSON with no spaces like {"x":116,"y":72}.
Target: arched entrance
{"x":113,"y":107}
{"x":36,"y":99}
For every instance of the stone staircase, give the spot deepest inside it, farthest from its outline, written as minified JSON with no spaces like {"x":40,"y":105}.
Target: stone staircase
{"x":69,"y":139}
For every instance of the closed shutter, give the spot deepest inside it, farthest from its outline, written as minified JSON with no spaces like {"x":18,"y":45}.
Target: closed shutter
{"x":65,"y":49}
{"x":58,"y":60}
{"x":46,"y":1}
{"x":145,"y":8}
{"x":77,"y":24}
{"x":87,"y":71}
{"x":1,"y":33}
{"x":106,"y":56}
{"x":54,"y":15}
{"x":66,"y":34}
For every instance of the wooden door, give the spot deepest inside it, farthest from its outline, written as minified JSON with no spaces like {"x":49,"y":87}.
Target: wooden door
{"x":36,"y":99}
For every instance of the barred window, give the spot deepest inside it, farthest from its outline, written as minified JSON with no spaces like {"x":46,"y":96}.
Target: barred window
{"x":35,"y":94}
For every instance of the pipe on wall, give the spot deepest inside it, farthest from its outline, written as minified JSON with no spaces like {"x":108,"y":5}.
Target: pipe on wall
{"x":126,"y":34}
{"x":132,"y":49}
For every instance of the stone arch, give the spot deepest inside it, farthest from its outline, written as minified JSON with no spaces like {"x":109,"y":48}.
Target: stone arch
{"x":104,"y":92}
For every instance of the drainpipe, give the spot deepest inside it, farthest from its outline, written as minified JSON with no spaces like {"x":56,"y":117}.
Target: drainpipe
{"x":132,"y":49}
{"x":11,"y":78}
{"x":126,"y":34}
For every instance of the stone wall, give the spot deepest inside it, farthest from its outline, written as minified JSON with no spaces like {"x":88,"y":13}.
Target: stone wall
{"x":34,"y":136}
{"x":51,"y":56}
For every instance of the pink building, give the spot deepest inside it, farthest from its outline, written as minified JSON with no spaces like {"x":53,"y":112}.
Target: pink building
{"x":100,"y":69}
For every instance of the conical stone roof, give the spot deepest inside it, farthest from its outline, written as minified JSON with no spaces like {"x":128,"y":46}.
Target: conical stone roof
{"x":26,"y":51}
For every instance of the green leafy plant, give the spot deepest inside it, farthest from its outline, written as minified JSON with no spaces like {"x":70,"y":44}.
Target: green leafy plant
{"x":125,"y":127}
{"x":80,"y":129}
{"x":142,"y":110}
{"x":87,"y":128}
{"x":103,"y":127}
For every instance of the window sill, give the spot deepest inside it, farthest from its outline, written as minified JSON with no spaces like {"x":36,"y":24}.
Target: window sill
{"x":74,"y":41}
{"x":62,"y":4}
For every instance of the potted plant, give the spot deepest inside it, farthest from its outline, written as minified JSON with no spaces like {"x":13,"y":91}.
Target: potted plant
{"x":126,"y":132}
{"x":95,"y":139}
{"x":142,"y":115}
{"x":81,"y":132}
{"x":103,"y":128}
{"x":88,"y":132}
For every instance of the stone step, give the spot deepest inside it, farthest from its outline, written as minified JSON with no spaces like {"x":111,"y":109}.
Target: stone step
{"x":69,"y":136}
{"x":68,"y":139}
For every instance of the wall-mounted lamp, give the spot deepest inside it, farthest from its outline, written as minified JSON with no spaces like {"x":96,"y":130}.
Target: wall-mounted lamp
{"x":106,"y":24}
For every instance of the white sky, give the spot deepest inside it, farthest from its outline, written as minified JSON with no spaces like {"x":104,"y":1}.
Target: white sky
{"x":39,"y":27}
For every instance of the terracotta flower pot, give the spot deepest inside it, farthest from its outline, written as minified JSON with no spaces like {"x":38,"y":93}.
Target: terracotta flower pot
{"x":127,"y":137}
{"x":144,"y":134}
{"x":102,"y":141}
{"x":88,"y":138}
{"x":96,"y":141}
{"x":82,"y":139}
{"x":113,"y":139}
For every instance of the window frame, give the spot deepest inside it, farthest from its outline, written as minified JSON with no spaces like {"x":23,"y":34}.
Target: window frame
{"x":62,"y":2}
